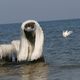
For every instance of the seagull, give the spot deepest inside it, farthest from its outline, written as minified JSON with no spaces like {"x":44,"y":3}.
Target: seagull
{"x":66,"y":33}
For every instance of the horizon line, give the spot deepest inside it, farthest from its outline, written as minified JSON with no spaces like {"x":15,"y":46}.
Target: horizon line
{"x":44,"y":21}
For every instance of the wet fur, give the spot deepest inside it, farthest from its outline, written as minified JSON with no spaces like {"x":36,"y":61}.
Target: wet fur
{"x":31,"y":43}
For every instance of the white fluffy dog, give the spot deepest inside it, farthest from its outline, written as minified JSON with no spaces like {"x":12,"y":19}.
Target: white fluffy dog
{"x":32,"y":40}
{"x":30,"y":46}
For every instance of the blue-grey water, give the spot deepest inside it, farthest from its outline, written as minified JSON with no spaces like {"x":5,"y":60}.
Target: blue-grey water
{"x":62,"y":55}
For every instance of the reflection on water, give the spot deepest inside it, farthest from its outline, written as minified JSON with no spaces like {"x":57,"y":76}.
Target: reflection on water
{"x":37,"y":71}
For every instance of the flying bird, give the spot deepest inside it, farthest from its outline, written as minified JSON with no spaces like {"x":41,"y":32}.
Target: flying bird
{"x":66,"y":33}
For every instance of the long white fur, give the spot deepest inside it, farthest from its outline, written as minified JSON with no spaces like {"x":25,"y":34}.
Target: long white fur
{"x":36,"y":50}
{"x":20,"y":47}
{"x":7,"y":50}
{"x":16,"y":44}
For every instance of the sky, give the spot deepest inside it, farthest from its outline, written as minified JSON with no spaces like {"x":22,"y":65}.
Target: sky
{"x":12,"y":11}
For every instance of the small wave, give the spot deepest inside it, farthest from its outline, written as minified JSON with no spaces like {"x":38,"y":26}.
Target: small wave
{"x":70,"y":66}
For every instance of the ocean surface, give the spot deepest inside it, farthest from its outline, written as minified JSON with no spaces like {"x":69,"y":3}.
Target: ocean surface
{"x":62,"y":55}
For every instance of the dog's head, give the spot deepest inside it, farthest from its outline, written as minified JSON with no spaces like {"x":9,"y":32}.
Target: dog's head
{"x":29,"y":25}
{"x":29,"y":28}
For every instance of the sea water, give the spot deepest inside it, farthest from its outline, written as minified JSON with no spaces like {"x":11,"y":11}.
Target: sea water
{"x":62,"y":55}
